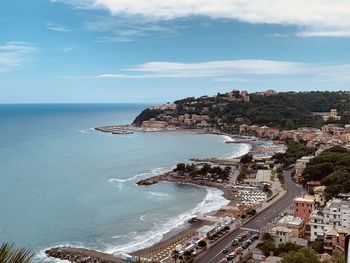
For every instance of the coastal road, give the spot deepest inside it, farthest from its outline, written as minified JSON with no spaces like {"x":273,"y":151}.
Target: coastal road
{"x":214,"y":254}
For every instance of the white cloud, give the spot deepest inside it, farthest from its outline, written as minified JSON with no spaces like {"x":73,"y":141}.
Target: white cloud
{"x":55,"y":27}
{"x":234,"y":70}
{"x":129,"y":30}
{"x":14,"y":54}
{"x":330,"y":33}
{"x":315,"y":17}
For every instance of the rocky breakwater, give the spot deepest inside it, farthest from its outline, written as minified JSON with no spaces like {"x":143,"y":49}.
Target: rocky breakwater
{"x":156,"y":179}
{"x":82,"y":255}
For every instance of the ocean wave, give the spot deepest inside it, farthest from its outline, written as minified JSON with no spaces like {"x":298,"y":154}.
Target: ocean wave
{"x":213,"y":201}
{"x":152,"y":172}
{"x":143,"y":218}
{"x":158,"y":196}
{"x":93,"y":131}
{"x":41,"y":257}
{"x":243,"y":150}
{"x":227,"y":138}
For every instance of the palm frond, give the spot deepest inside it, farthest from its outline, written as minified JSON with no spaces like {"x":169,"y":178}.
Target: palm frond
{"x":10,"y":254}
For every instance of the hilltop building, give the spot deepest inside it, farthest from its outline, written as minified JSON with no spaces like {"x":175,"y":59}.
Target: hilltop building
{"x":333,"y":114}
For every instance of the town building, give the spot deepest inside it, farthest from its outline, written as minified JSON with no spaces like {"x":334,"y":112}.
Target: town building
{"x":320,"y":197}
{"x":304,"y":206}
{"x":296,"y":224}
{"x":333,"y":115}
{"x":281,"y":235}
{"x":300,"y":165}
{"x":335,"y":215}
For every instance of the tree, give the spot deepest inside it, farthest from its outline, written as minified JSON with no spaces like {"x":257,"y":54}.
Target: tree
{"x":245,"y":159}
{"x":180,"y":167}
{"x":290,"y":125}
{"x":338,"y":258}
{"x":243,"y":173}
{"x":266,"y":236}
{"x":202,"y":243}
{"x":10,"y":254}
{"x":304,"y":255}
{"x":266,"y":188}
{"x":267,"y":247}
{"x":251,"y":212}
{"x":318,"y":246}
{"x":206,"y":168}
{"x":175,"y":255}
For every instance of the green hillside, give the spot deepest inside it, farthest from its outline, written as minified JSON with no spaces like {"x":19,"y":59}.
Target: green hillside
{"x":284,"y":110}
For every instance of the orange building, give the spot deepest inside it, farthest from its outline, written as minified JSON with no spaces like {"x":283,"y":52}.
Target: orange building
{"x":304,"y":206}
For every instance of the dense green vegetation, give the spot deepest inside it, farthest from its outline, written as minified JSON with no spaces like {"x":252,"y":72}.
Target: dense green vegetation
{"x":294,"y":151}
{"x":215,"y":171}
{"x":332,"y":168}
{"x":292,"y":253}
{"x":308,"y":255}
{"x":268,"y":245}
{"x":285,"y":110}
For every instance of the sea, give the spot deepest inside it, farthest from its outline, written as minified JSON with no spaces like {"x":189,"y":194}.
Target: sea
{"x":63,"y":183}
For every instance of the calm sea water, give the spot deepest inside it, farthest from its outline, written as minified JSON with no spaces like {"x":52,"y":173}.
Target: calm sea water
{"x":61,"y":183}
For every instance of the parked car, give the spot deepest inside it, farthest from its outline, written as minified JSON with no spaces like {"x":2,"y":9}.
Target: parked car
{"x":225,"y":251}
{"x":231,"y":256}
{"x":255,"y":236}
{"x":234,"y":242}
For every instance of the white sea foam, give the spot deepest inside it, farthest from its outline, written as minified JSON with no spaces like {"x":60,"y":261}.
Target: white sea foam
{"x":153,"y":172}
{"x":212,"y":202}
{"x":143,"y":218}
{"x":243,"y":150}
{"x":95,"y":132}
{"x":40,"y":257}
{"x":158,"y":196}
{"x":227,"y":138}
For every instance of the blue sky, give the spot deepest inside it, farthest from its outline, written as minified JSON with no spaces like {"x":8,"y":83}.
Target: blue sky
{"x":162,"y":50}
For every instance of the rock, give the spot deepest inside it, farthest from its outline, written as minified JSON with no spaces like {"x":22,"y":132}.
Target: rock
{"x":149,"y":181}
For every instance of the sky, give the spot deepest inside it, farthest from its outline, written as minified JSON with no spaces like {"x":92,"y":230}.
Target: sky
{"x":91,"y":51}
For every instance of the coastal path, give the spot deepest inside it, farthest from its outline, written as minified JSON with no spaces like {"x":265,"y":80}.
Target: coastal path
{"x":214,"y":254}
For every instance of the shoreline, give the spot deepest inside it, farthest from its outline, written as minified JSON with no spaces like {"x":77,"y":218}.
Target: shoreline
{"x":180,"y":230}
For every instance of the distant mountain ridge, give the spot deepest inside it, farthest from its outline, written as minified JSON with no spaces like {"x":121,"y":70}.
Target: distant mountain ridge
{"x":234,"y":108}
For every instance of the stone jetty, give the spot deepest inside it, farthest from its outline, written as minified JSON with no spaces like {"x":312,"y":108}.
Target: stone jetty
{"x":82,"y":255}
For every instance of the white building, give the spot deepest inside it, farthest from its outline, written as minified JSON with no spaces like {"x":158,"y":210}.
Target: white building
{"x":336,"y":214}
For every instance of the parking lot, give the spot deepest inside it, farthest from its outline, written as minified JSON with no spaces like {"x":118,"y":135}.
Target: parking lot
{"x":239,"y":246}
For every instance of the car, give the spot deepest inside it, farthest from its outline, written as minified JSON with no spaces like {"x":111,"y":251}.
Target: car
{"x":234,"y":242}
{"x":239,"y":238}
{"x":231,"y":256}
{"x":223,"y":260}
{"x":238,"y":250}
{"x":224,"y":251}
{"x":255,"y":236}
